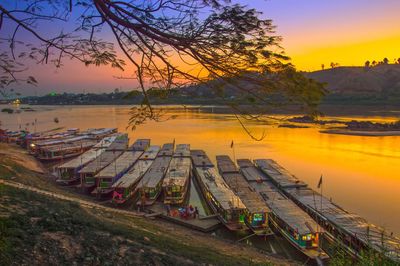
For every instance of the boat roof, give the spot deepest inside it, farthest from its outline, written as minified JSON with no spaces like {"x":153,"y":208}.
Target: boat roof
{"x":83,"y":159}
{"x":134,"y":174}
{"x":60,"y":141}
{"x":106,"y":141}
{"x":178,"y":171}
{"x":100,"y":162}
{"x":182,"y":150}
{"x":244,"y":163}
{"x":293,"y":216}
{"x":68,"y":146}
{"x":156,"y":172}
{"x":121,"y":164}
{"x":279,"y":174}
{"x":252,"y":173}
{"x":140,"y":144}
{"x":150,"y":153}
{"x":250,"y":198}
{"x":226,"y":165}
{"x":217,"y":187}
{"x":167,"y":149}
{"x":200,"y":159}
{"x":120,"y":143}
{"x":101,"y":131}
{"x":371,"y":234}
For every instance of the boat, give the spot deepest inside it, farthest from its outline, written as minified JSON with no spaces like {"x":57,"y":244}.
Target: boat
{"x":352,"y":233}
{"x":150,"y":153}
{"x":34,"y":148}
{"x":149,"y":187}
{"x":285,"y":216}
{"x":64,"y":151}
{"x":113,"y":172}
{"x":257,"y":211}
{"x":87,"y":174}
{"x":221,"y":199}
{"x":126,"y":187}
{"x":99,"y":133}
{"x":141,"y":144}
{"x":167,"y":150}
{"x":67,"y":172}
{"x":177,"y":180}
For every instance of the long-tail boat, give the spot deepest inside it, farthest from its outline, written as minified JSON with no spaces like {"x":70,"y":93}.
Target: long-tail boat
{"x":221,"y":199}
{"x":177,"y":180}
{"x":141,"y":144}
{"x":113,"y":172}
{"x":64,"y":151}
{"x":286,"y":217}
{"x":149,"y":187}
{"x":126,"y":187}
{"x":68,"y":172}
{"x":87,"y":174}
{"x":167,"y":149}
{"x":352,"y":233}
{"x":257,"y":211}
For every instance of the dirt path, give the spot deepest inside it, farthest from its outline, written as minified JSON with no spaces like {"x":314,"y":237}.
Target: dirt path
{"x":83,"y":203}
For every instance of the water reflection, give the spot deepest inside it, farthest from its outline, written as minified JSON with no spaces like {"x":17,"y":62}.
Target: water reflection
{"x":360,"y":173}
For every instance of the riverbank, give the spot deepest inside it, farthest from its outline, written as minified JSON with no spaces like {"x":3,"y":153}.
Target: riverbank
{"x":40,"y":229}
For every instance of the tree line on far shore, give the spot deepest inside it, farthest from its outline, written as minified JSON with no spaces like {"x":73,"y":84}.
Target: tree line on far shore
{"x":368,"y":63}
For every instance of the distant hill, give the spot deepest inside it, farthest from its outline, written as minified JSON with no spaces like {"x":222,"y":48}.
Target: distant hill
{"x":379,"y":80}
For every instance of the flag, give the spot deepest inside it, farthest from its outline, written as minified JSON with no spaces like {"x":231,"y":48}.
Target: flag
{"x":320,"y":182}
{"x":232,"y":144}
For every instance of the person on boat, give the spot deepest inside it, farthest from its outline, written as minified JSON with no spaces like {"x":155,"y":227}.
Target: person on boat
{"x":191,"y":211}
{"x":168,"y":209}
{"x":196,"y":212}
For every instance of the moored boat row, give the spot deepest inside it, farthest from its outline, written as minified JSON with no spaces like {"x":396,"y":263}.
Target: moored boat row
{"x":222,"y":200}
{"x":350,"y":231}
{"x":285,"y":216}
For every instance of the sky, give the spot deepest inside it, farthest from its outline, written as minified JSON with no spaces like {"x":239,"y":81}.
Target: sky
{"x":314,"y":32}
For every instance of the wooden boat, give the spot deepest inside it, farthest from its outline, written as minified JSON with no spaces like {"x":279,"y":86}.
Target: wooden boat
{"x":257,"y":212}
{"x":34,"y":148}
{"x":126,"y":187}
{"x":167,"y":149}
{"x":87,"y":174}
{"x":64,"y":151}
{"x":150,"y":153}
{"x":99,"y":133}
{"x":220,"y":198}
{"x":177,"y":180}
{"x":141,"y":144}
{"x":149,"y":187}
{"x":182,"y":150}
{"x":349,"y":231}
{"x":285,"y":217}
{"x":68,"y":172}
{"x":113,"y":172}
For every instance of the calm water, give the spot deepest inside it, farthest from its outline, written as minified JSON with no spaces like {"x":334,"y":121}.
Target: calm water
{"x":362,"y":174}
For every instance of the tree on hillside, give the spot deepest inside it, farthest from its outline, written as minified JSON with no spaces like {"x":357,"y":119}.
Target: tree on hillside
{"x":374,"y":63}
{"x":322,"y":66}
{"x":385,"y":61}
{"x":169,"y":43}
{"x":398,"y":61}
{"x":367,"y":64}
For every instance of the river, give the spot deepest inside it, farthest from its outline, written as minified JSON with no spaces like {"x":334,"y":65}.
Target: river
{"x":361,"y":174}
